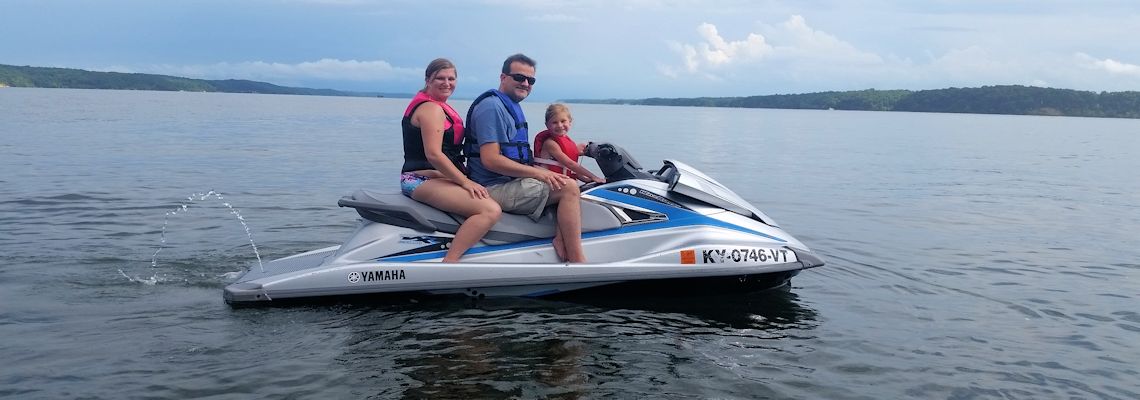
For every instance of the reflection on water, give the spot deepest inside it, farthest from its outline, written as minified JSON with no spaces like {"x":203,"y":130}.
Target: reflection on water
{"x":528,"y":348}
{"x":769,"y":310}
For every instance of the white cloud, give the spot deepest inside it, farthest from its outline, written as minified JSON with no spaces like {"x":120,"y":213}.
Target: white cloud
{"x":323,"y":69}
{"x":1108,"y":65}
{"x":796,"y":42}
{"x":796,"y":57}
{"x":808,"y":43}
{"x":716,"y":52}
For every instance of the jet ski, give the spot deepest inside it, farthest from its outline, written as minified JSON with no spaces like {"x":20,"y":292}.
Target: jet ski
{"x":672,"y":230}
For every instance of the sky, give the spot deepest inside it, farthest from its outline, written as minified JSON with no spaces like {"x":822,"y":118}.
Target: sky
{"x":593,"y":48}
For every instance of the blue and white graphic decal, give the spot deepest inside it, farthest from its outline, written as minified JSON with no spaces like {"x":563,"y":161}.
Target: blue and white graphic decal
{"x":645,"y":194}
{"x":431,"y":244}
{"x":678,"y":216}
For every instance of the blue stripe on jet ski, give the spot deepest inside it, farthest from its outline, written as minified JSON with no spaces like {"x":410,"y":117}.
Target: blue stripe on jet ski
{"x":677,"y":218}
{"x":473,"y":250}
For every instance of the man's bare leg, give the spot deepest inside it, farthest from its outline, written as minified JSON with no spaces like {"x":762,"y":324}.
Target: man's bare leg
{"x":569,"y":223}
{"x":559,"y":246}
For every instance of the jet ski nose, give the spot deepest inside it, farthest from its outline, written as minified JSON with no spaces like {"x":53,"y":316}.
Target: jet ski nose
{"x":807,"y":258}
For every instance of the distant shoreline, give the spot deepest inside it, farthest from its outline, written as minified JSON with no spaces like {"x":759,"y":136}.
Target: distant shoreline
{"x":1006,"y":99}
{"x":69,"y":78}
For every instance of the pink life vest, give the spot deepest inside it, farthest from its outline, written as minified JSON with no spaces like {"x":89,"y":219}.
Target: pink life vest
{"x":452,"y":116}
{"x":414,"y":155}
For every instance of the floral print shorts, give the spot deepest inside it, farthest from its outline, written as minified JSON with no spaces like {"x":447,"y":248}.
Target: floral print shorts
{"x":410,"y":181}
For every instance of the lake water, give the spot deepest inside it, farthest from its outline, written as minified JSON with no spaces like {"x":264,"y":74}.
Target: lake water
{"x":969,"y":256}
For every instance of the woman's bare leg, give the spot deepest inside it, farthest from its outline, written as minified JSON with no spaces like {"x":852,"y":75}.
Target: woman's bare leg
{"x":481,"y":214}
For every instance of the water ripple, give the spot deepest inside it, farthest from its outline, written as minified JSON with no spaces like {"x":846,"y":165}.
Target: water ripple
{"x":968,"y":257}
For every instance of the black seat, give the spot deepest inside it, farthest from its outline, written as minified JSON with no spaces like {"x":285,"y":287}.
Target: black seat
{"x":399,"y":210}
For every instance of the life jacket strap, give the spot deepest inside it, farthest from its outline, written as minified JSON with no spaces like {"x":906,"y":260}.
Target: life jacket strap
{"x":544,"y":161}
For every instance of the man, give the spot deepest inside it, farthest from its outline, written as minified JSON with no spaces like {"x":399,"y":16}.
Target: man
{"x":500,"y":159}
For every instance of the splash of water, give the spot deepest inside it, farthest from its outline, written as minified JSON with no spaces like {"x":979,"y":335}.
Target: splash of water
{"x":153,"y":280}
{"x":185,"y":207}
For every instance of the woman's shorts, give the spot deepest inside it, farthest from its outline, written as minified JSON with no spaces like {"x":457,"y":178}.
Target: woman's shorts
{"x":409,"y":182}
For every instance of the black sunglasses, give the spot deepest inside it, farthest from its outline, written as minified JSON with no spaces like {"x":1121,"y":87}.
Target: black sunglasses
{"x":520,"y":78}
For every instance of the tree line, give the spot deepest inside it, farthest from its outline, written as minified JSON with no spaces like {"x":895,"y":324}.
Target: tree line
{"x":1004,"y":99}
{"x":43,"y":77}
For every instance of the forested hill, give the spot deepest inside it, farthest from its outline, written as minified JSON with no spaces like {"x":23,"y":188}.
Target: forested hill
{"x":1012,"y":99}
{"x":41,"y":77}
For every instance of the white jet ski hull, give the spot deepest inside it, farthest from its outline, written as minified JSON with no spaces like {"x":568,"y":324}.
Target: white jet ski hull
{"x":677,"y":228}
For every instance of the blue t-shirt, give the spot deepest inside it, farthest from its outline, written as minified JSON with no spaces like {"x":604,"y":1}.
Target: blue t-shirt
{"x":492,"y":124}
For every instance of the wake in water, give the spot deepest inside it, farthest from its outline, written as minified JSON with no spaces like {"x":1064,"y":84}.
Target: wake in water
{"x":184,"y":207}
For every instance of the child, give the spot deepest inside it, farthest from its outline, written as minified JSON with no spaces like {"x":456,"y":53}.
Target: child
{"x":556,"y":151}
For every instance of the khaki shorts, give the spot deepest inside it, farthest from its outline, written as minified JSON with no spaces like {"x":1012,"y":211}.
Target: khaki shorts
{"x":527,"y":196}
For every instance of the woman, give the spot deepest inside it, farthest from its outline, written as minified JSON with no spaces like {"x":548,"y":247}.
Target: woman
{"x":433,"y":167}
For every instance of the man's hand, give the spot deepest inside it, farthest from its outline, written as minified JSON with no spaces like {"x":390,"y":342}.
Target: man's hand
{"x":554,"y":179}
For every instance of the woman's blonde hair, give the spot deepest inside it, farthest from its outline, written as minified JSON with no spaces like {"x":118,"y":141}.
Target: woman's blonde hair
{"x":434,"y":66}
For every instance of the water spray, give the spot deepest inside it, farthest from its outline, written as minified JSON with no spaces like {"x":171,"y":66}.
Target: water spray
{"x":185,"y":206}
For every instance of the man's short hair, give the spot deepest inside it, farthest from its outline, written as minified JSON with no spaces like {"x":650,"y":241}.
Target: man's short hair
{"x":520,"y":57}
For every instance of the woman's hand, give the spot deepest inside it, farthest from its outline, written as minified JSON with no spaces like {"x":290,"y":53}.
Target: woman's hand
{"x":476,"y":190}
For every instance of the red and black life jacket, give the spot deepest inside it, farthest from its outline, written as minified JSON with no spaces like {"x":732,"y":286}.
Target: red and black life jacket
{"x":565,"y":143}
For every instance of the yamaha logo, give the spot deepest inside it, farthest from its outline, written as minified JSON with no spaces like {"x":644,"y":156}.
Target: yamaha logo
{"x":373,"y":276}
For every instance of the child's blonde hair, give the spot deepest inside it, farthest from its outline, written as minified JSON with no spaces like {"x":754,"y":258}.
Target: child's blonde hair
{"x":557,"y":108}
